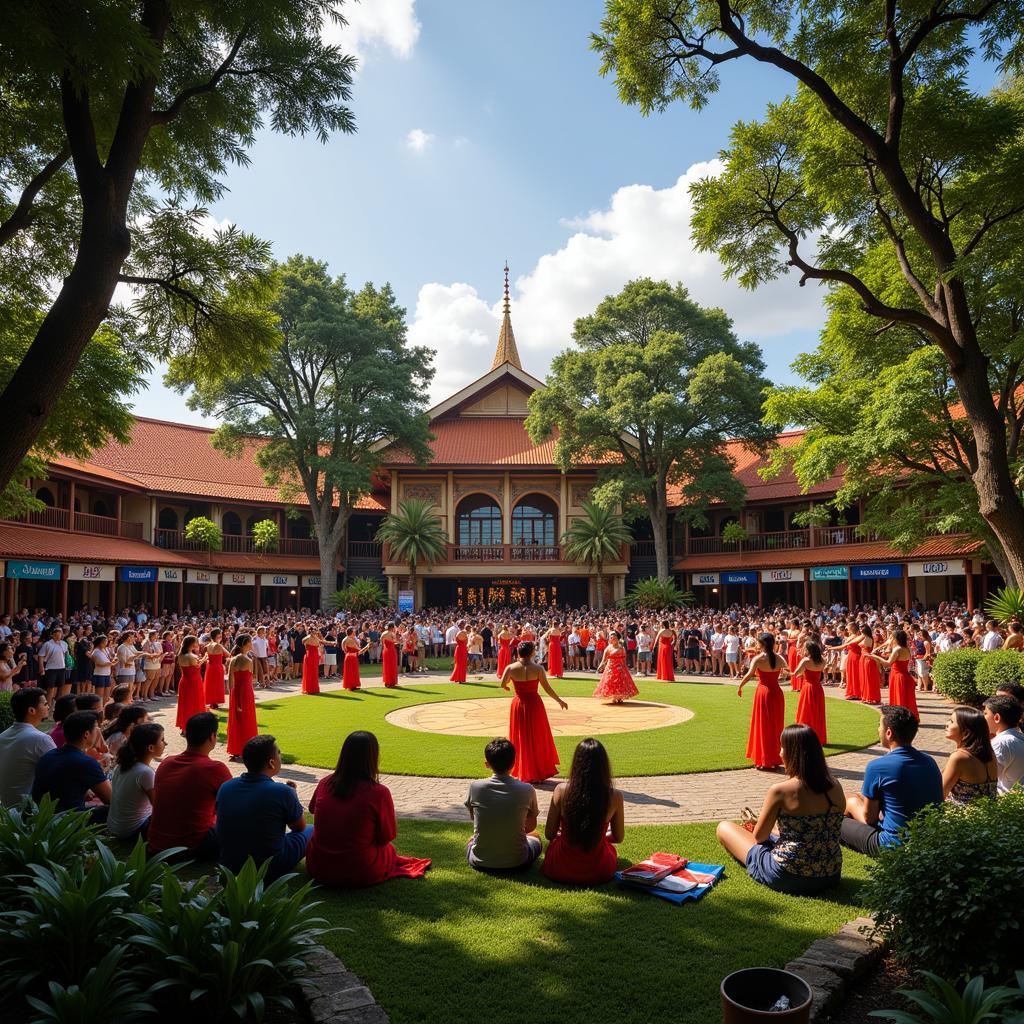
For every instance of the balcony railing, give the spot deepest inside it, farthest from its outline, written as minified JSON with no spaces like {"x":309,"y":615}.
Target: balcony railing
{"x":54,"y":518}
{"x":476,"y":553}
{"x":84,"y":522}
{"x":783,"y":540}
{"x":364,"y":549}
{"x":536,"y":553}
{"x":175,"y":540}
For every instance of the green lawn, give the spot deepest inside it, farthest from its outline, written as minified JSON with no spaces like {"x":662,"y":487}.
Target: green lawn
{"x":459,"y":946}
{"x":310,"y":730}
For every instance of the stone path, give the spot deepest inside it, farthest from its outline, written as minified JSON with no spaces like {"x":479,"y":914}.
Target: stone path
{"x":658,"y":799}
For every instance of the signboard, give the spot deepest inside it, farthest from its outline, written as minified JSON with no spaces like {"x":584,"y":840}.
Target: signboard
{"x":202,"y":576}
{"x":830,"y":572}
{"x":887,"y":571}
{"x":705,"y":579}
{"x":937,"y":568}
{"x":239,"y":579}
{"x":405,"y":601}
{"x":311,"y":581}
{"x":743,"y":576}
{"x":89,"y":573}
{"x":137,"y":574}
{"x":33,"y":570}
{"x":279,"y":579}
{"x":167,"y":575}
{"x":782,"y":575}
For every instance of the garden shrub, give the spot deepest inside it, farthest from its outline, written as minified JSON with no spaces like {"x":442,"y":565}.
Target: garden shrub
{"x":998,"y":667}
{"x":954,"y":673}
{"x":6,"y":714}
{"x":947,"y":898}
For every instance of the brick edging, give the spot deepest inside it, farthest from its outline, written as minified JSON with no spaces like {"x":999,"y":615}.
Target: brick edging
{"x":333,"y":994}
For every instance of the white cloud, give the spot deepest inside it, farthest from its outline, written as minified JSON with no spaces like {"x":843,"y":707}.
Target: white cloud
{"x":417,"y":140}
{"x":643,"y":232}
{"x":374,"y":25}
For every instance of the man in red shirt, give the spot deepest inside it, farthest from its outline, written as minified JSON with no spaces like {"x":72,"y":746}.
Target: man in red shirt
{"x":185,"y":795}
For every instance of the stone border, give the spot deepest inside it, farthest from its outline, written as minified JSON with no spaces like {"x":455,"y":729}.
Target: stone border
{"x":830,"y":966}
{"x":333,"y":994}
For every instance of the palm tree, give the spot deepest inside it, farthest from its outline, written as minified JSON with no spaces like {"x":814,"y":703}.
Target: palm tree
{"x":415,"y":535}
{"x":595,"y":537}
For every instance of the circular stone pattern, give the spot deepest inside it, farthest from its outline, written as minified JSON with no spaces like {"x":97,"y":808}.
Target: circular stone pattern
{"x":585,"y":717}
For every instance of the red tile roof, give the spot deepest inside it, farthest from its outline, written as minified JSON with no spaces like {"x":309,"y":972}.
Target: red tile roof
{"x":241,"y":562}
{"x":61,"y":546}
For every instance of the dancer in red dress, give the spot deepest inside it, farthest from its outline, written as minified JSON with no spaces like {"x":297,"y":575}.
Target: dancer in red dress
{"x":616,"y":684}
{"x":852,"y":646}
{"x":389,"y":657}
{"x":504,"y":639}
{"x":665,"y":641}
{"x":241,"y":699}
{"x":312,"y":642}
{"x":768,"y":714}
{"x":810,"y":708}
{"x":461,"y":657}
{"x":191,"y":699}
{"x":793,"y":637}
{"x":902,"y":690}
{"x":870,"y":675}
{"x":528,"y":726}
{"x":350,"y":670}
{"x":554,"y":640}
{"x":213,"y":677}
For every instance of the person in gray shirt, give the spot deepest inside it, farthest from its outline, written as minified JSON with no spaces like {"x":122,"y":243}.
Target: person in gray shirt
{"x":504,"y":812}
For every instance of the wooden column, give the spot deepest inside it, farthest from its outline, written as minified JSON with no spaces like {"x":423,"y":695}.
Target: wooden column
{"x":563,"y":506}
{"x":220,"y":592}
{"x":807,"y":591}
{"x":878,"y":593}
{"x":906,"y":589}
{"x":257,"y":608}
{"x":156,"y":599}
{"x":506,"y":511}
{"x":969,"y":570}
{"x":112,"y":610}
{"x":760,"y":591}
{"x":181,"y":593}
{"x":849,"y":589}
{"x":71,"y":505}
{"x":984,"y":583}
{"x":9,"y":602}
{"x":449,"y":506}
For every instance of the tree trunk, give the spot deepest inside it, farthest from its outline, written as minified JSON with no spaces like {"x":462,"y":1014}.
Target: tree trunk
{"x":657,"y":509}
{"x":412,"y":583}
{"x":600,"y":587}
{"x":328,"y":570}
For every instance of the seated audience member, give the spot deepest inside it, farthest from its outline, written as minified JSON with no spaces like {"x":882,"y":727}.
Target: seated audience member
{"x":971,"y":771}
{"x":1003,"y":715}
{"x":896,"y":786}
{"x":586,"y":817}
{"x":805,"y":857}
{"x":354,"y":823}
{"x":504,"y":812}
{"x":260,"y":818}
{"x":62,"y":707}
{"x":69,"y":774}
{"x":131,"y":785}
{"x":185,"y":794}
{"x":118,"y":732}
{"x":1014,"y":690}
{"x":23,"y":744}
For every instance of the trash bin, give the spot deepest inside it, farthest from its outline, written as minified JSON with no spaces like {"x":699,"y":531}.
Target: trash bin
{"x":748,"y":995}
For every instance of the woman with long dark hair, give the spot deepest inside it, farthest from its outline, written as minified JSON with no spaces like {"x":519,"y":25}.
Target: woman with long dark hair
{"x":810,"y":708}
{"x":768,"y":714}
{"x":587,"y":815}
{"x":804,"y":855}
{"x":528,"y":725}
{"x":664,"y":644}
{"x":901,"y":682}
{"x":191,"y":695}
{"x":213,"y":677}
{"x":241,"y":697}
{"x":972,"y":771}
{"x":133,"y":781}
{"x":354,"y":823}
{"x":870,"y":674}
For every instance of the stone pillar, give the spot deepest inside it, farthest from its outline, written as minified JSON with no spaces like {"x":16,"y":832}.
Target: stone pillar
{"x":906,"y":589}
{"x":506,"y":511}
{"x":449,"y":507}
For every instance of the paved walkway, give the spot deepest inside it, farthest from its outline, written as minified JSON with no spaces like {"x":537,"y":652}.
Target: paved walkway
{"x":656,"y":799}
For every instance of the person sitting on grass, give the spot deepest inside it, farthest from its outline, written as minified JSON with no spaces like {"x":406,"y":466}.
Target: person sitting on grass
{"x":504,"y":813}
{"x":896,"y":786}
{"x":260,"y":818}
{"x":587,"y":815}
{"x":133,"y":781}
{"x":354,"y":823}
{"x":805,"y":856}
{"x":69,"y":774}
{"x":1003,"y":715}
{"x":971,"y":771}
{"x":23,"y":744}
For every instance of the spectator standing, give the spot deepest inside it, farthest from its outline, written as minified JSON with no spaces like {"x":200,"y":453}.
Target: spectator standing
{"x":53,"y":660}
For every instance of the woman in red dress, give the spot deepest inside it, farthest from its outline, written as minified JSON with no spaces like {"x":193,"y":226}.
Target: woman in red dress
{"x":554,"y":641}
{"x":241,"y":699}
{"x":353,"y":652}
{"x":312,"y":642}
{"x":793,"y":638}
{"x":461,"y":657}
{"x":191,"y":698}
{"x":389,"y":657}
{"x":615,"y":684}
{"x":768,"y":715}
{"x":853,"y":656}
{"x":665,"y":642}
{"x":810,"y":708}
{"x":528,"y":726}
{"x":901,"y":682}
{"x":870,"y":675}
{"x":504,"y":639}
{"x":587,"y":815}
{"x":354,"y":823}
{"x":213,"y":677}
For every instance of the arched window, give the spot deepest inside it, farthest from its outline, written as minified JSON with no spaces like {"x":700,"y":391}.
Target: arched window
{"x":231,"y":523}
{"x":479,"y":521}
{"x":298,"y":529}
{"x":255,"y":518}
{"x":534,"y":521}
{"x":45,"y":495}
{"x":167,"y":520}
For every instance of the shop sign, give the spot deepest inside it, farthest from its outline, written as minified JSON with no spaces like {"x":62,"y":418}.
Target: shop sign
{"x":830,"y":572}
{"x":33,"y":570}
{"x":937,"y":568}
{"x":746,"y":576}
{"x":279,"y":579}
{"x":202,"y":576}
{"x":239,"y":579}
{"x":311,"y":581}
{"x":138,"y":574}
{"x":782,"y":575}
{"x":405,"y":601}
{"x":172,"y":575}
{"x":90,"y":573}
{"x":887,"y":571}
{"x":705,"y":579}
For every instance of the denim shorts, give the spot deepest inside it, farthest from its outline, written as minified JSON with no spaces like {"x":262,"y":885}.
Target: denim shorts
{"x":765,"y":869}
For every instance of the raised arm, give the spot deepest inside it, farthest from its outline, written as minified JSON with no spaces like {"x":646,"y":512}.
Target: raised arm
{"x":543,"y":680}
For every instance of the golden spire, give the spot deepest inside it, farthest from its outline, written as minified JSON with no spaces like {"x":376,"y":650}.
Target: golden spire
{"x":507,"y":351}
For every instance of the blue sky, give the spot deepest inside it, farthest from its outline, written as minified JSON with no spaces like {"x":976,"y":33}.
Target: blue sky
{"x":518,"y":150}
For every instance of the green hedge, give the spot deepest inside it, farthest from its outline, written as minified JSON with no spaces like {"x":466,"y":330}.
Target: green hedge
{"x":6,"y":714}
{"x":968,"y":676}
{"x":998,"y":667}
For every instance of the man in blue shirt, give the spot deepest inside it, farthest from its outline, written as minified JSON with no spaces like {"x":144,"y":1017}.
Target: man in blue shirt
{"x":896,"y":786}
{"x":69,"y":773}
{"x":260,"y":818}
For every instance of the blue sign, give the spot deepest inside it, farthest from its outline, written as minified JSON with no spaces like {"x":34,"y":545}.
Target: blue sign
{"x":830,"y":572}
{"x":748,"y":576}
{"x":887,"y":571}
{"x":138,"y":574}
{"x":33,"y":570}
{"x":405,"y":600}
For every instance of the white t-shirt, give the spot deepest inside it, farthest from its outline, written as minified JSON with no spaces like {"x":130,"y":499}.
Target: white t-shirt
{"x":53,"y":653}
{"x":717,"y":641}
{"x":101,"y":661}
{"x":1009,"y":750}
{"x":126,"y":659}
{"x":732,"y":643}
{"x":450,"y":634}
{"x":20,"y":747}
{"x":643,"y":642}
{"x":992,"y":641}
{"x":260,"y":647}
{"x":129,"y":805}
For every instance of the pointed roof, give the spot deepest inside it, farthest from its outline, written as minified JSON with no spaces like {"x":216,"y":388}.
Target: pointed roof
{"x":506,"y":351}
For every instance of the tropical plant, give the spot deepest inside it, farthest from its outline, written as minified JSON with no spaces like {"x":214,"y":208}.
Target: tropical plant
{"x":415,"y":535}
{"x":733,"y":533}
{"x":266,"y":535}
{"x":204,"y":533}
{"x":998,"y":667}
{"x":1006,"y":605}
{"x":943,"y":1004}
{"x":954,"y":675}
{"x":653,"y":593}
{"x":361,"y":595}
{"x":6,"y":714}
{"x":594,"y":538}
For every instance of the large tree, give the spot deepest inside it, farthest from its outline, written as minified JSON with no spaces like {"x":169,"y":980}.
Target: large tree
{"x":662,"y":384}
{"x":341,"y":383}
{"x":884,"y":155}
{"x":117,"y":123}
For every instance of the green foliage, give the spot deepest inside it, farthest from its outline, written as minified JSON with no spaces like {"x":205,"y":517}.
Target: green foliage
{"x":945,"y":897}
{"x":733,"y":533}
{"x":361,"y":595}
{"x":943,"y":1004}
{"x":266,"y":535}
{"x":594,"y":538}
{"x":204,"y":532}
{"x":1006,"y":605}
{"x":6,"y":714}
{"x":998,"y":667}
{"x":653,"y":593}
{"x":414,"y":534}
{"x":954,"y":672}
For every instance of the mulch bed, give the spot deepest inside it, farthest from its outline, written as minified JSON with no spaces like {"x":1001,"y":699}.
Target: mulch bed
{"x":875,"y":991}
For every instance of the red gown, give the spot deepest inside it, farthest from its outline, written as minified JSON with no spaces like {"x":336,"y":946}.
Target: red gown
{"x":530,"y":733}
{"x":213,"y":680}
{"x":810,"y":708}
{"x":461,"y":658}
{"x":901,"y":687}
{"x":853,"y":663}
{"x":555,"y":668}
{"x":311,"y":670}
{"x":767,"y":719}
{"x":241,"y":712}
{"x":615,"y":681}
{"x":665,"y":673}
{"x":565,"y":862}
{"x":389,"y":664}
{"x":870,"y":681}
{"x":191,"y":699}
{"x":792,"y":660}
{"x":504,"y":655}
{"x":350,"y":671}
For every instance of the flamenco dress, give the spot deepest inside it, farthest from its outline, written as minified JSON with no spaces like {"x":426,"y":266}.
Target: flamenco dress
{"x":566,"y":862}
{"x":767,"y":718}
{"x":665,"y":673}
{"x":389,"y":665}
{"x":530,"y":733}
{"x":213,"y":680}
{"x":870,"y":681}
{"x":810,"y":708}
{"x":350,"y":671}
{"x":504,"y":655}
{"x":555,"y":667}
{"x":311,"y":670}
{"x":902,"y":688}
{"x":241,"y":712}
{"x":792,"y":660}
{"x":616,"y":683}
{"x":191,"y":697}
{"x":853,"y":669}
{"x":461,"y":659}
